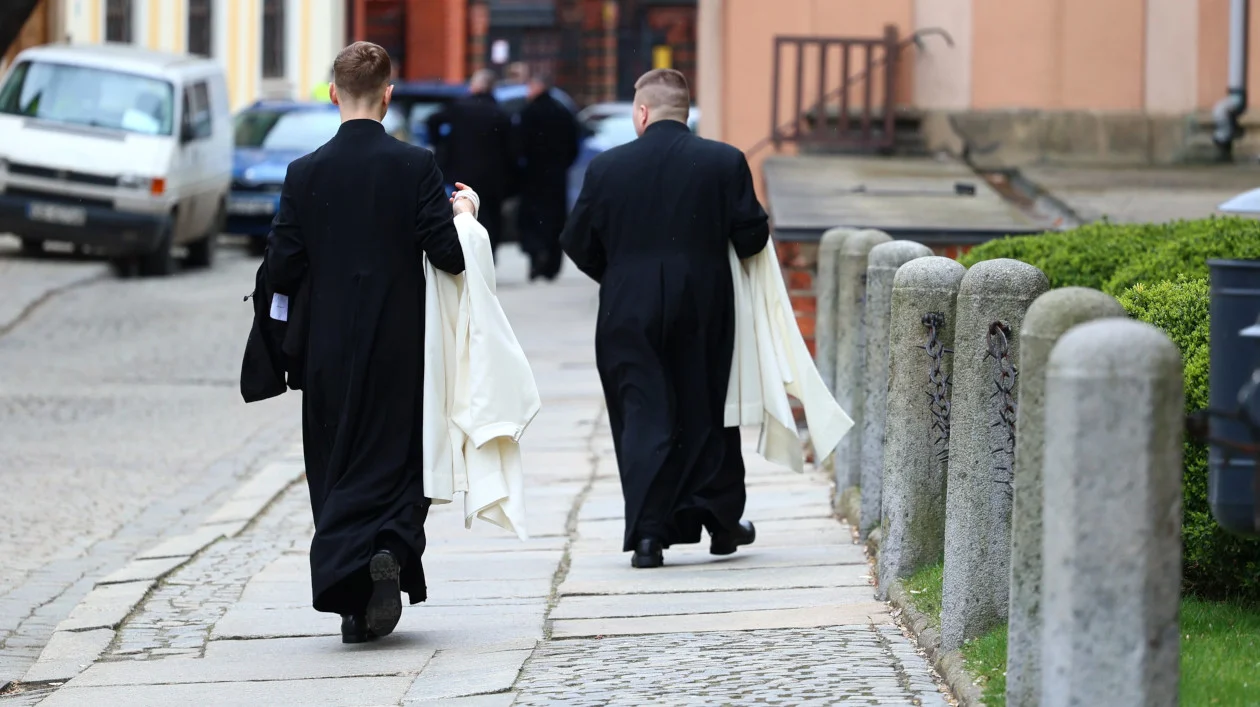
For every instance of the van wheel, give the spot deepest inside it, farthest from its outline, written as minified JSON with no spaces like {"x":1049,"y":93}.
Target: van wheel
{"x":32,"y":247}
{"x":160,"y":262}
{"x":125,"y":267}
{"x":201,"y":253}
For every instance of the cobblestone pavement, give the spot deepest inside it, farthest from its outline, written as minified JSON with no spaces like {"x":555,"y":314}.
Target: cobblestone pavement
{"x":176,"y":619}
{"x":120,"y":422}
{"x":863,"y":665}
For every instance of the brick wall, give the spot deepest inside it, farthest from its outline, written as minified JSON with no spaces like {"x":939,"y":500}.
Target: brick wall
{"x":799,"y":262}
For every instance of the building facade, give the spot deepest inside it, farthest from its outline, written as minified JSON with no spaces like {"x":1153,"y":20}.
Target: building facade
{"x":1129,"y":81}
{"x":268,"y":48}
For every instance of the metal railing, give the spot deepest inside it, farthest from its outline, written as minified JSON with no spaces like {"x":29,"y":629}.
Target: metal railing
{"x":809,"y":122}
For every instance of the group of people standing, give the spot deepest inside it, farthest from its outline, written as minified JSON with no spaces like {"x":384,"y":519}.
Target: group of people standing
{"x":478,"y":143}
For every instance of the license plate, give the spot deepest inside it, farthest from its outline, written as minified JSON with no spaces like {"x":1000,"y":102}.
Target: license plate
{"x":252,"y":207}
{"x":57,"y":213}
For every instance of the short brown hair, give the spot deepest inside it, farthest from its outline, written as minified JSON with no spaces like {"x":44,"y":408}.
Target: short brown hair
{"x":666,"y":91}
{"x":361,"y":71}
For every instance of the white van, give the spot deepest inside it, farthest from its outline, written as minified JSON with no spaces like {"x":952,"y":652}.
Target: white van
{"x":121,"y":151}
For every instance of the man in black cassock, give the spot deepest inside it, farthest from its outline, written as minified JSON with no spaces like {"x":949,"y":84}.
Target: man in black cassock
{"x":548,"y":144}
{"x":477,"y":148}
{"x":653,"y":226}
{"x":355,"y":218}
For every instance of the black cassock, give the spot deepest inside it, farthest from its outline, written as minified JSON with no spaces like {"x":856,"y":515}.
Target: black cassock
{"x":548,"y":145}
{"x":653,"y":226}
{"x":478,"y":151}
{"x":354,"y":218}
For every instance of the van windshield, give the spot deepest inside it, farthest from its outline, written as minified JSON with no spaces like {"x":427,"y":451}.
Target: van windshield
{"x":86,"y":96}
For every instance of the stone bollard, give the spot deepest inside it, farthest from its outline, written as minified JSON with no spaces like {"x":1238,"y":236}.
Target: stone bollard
{"x":1048,"y":318}
{"x":1112,"y":544}
{"x":992,"y":301}
{"x":917,"y":433}
{"x":826,"y":285}
{"x":851,"y":351}
{"x":881,"y":267}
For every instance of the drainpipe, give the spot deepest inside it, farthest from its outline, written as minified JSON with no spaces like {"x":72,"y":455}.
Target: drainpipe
{"x":1227,"y":110}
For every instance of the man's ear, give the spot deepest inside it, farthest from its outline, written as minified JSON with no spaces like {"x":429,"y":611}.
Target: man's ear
{"x":389,"y":93}
{"x":332,"y":94}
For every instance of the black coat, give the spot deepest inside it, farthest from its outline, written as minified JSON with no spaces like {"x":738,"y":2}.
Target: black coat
{"x":548,"y":141}
{"x":477,"y":151}
{"x":275,"y":350}
{"x":653,"y":225}
{"x":355,"y":218}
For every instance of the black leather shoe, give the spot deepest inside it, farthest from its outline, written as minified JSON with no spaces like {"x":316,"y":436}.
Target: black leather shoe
{"x":647,"y":554}
{"x":385,"y":607}
{"x":725,"y":542}
{"x":354,"y":629}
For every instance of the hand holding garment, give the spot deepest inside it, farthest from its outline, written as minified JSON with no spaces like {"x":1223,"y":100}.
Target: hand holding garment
{"x":479,"y":391}
{"x":771,"y":362}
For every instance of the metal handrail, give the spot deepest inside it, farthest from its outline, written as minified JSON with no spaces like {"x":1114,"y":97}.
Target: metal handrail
{"x":850,"y":81}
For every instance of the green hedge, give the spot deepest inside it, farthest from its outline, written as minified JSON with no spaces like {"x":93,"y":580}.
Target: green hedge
{"x":1083,"y":257}
{"x":1194,"y":243}
{"x":1159,"y":273}
{"x":1215,"y":563}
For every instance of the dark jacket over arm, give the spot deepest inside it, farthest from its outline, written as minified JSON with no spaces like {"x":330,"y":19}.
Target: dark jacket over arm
{"x":286,"y":251}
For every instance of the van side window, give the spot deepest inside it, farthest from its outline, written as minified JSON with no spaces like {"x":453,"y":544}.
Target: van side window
{"x":197,"y":110}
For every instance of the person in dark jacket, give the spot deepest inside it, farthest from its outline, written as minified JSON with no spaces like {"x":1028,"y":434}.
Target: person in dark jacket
{"x":473,"y":136}
{"x":654,"y":225}
{"x":355,"y":219}
{"x":548,"y":143}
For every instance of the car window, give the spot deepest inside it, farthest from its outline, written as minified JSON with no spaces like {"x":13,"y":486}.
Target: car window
{"x":291,"y":130}
{"x":613,"y":131}
{"x":197,"y":110}
{"x":85,"y":96}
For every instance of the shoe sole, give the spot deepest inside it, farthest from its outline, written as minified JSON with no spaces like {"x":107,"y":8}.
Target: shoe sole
{"x":357,"y":639}
{"x":729,"y":548}
{"x":384,"y":609}
{"x":643,"y":562}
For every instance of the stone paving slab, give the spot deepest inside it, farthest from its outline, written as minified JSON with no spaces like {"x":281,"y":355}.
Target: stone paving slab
{"x":67,"y":653}
{"x":863,"y":614}
{"x":697,"y":558}
{"x":345,"y":692}
{"x":137,"y":570}
{"x":632,"y":605}
{"x":191,"y":543}
{"x":247,"y":622}
{"x":462,"y":673}
{"x":664,"y":580}
{"x":351,"y":661}
{"x":501,"y":699}
{"x":105,"y":606}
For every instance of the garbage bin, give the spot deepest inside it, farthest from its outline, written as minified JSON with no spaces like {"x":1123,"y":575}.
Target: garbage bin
{"x":1233,"y":474}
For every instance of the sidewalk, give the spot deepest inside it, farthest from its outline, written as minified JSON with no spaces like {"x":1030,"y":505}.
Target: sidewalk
{"x":560,"y":619}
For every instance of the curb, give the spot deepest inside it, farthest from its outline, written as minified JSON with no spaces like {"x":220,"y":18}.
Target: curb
{"x":83,"y":636}
{"x":948,"y":663}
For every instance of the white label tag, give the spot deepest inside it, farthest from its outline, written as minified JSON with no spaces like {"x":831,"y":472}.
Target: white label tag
{"x":280,"y":307}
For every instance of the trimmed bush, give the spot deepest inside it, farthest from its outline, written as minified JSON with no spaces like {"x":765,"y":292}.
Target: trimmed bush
{"x":1087,"y":256}
{"x":1187,"y":252}
{"x":1215,"y":564}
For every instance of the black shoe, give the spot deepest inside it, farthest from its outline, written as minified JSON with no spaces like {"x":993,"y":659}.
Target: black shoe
{"x":648,"y":554}
{"x":354,"y":629}
{"x":384,"y":609}
{"x":724,"y":542}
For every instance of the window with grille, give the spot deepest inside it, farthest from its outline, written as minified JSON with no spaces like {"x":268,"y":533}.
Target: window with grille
{"x":273,"y":39}
{"x":200,"y":33}
{"x":118,"y":20}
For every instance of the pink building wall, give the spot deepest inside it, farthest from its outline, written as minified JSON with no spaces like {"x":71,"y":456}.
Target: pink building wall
{"x":1158,"y":57}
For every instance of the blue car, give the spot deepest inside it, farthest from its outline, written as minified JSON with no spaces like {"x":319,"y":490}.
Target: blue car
{"x":269,"y":135}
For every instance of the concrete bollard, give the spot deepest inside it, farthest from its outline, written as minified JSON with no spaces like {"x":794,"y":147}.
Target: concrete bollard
{"x":826,"y":284}
{"x":1049,"y":316}
{"x":992,"y":301}
{"x":881,"y":268}
{"x":917,"y":433}
{"x":851,"y":350}
{"x":1112,"y":544}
